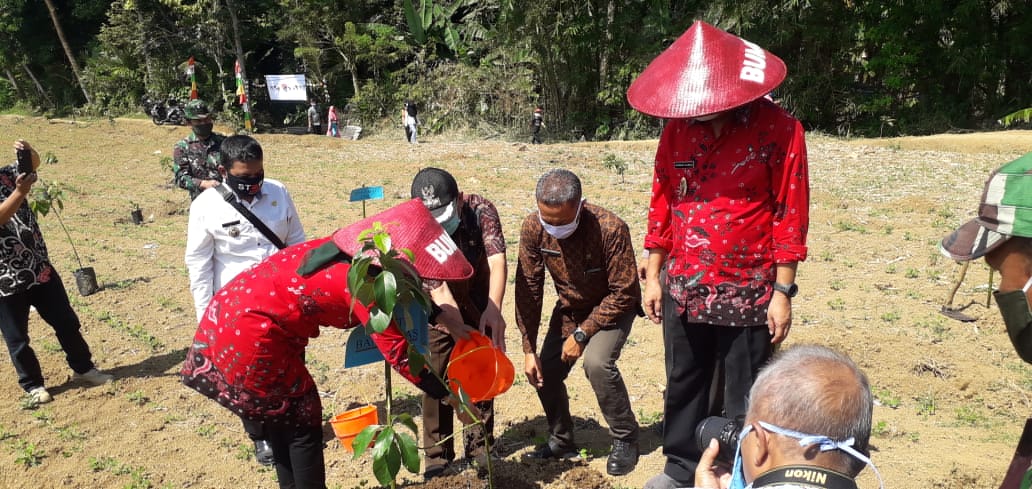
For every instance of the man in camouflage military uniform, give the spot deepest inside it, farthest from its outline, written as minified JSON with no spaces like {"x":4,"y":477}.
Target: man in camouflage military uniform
{"x":196,"y":158}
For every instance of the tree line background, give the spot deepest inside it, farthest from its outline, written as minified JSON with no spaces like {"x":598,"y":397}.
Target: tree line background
{"x":864,"y":68}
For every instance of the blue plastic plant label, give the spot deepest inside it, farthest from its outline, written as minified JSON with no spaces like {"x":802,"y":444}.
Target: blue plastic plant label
{"x":366,"y":193}
{"x":361,"y":350}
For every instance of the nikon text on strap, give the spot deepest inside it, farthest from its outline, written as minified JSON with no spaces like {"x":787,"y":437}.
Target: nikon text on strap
{"x":232,"y":200}
{"x":805,"y":476}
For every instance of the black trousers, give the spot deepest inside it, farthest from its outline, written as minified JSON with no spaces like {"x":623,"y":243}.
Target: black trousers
{"x":297,"y":449}
{"x":700,"y":359}
{"x":51,"y":301}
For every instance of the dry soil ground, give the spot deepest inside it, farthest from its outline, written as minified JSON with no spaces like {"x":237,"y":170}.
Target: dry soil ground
{"x":952,"y":396}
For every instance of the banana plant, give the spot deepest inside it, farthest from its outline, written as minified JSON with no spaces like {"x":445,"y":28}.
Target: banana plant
{"x":431,"y":22}
{"x":1023,"y":115}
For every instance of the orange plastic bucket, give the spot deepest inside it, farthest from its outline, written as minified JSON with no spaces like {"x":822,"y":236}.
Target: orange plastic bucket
{"x":505,"y":375}
{"x":482,"y":370}
{"x":350,"y":423}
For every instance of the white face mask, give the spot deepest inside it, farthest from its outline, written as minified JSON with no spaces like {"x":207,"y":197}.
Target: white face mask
{"x":565,"y":230}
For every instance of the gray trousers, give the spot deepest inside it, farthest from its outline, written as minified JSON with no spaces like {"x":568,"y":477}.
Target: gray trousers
{"x":599,"y":361}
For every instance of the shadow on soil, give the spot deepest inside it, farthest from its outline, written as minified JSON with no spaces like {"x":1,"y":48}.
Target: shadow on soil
{"x":512,"y":470}
{"x":154,"y":366}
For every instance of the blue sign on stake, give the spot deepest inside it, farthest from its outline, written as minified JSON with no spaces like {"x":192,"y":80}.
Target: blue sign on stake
{"x":362,"y":351}
{"x":366,"y":193}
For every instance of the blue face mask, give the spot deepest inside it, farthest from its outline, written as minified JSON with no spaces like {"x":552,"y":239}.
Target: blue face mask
{"x":737,"y":472}
{"x":823,"y":442}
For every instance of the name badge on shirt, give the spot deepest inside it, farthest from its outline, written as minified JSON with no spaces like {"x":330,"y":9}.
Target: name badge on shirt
{"x":547,"y":251}
{"x":233,"y":230}
{"x":684,"y":165}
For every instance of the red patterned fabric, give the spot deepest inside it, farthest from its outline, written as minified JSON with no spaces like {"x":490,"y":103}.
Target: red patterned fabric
{"x":248,"y":351}
{"x":727,"y":209}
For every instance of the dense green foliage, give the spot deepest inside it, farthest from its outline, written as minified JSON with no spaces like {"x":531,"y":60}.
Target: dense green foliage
{"x":880,"y":67}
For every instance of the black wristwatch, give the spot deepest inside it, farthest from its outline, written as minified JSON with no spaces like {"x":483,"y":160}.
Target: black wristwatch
{"x":789,"y":290}
{"x":580,"y":336}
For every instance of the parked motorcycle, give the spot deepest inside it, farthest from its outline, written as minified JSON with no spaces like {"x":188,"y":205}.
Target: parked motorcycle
{"x":162,"y":112}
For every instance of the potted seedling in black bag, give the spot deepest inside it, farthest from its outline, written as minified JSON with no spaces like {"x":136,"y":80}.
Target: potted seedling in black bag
{"x":46,"y":197}
{"x":137,"y":213}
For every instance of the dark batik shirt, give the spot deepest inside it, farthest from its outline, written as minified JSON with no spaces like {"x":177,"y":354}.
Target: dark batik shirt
{"x":593,"y":269}
{"x":479,"y":236}
{"x":194,"y":160}
{"x":24,"y":261}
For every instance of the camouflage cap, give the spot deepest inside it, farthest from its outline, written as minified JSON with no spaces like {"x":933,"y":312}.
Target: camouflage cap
{"x":196,"y":109}
{"x":1005,"y":211}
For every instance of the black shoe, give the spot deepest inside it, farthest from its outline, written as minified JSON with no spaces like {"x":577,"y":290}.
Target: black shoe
{"x":438,"y":471}
{"x":263,"y":453}
{"x":623,"y":458}
{"x":547,"y":452}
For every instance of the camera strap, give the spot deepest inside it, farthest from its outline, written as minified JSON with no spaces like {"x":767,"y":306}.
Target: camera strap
{"x":805,"y":476}
{"x":232,"y":200}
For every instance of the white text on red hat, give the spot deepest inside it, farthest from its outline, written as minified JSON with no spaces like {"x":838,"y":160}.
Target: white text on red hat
{"x":754,"y":62}
{"x":441,"y":248}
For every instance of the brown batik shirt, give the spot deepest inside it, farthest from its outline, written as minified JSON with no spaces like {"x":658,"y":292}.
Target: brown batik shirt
{"x":593,"y":269}
{"x":479,"y":236}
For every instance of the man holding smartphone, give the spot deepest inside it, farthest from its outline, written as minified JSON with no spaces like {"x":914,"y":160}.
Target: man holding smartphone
{"x":28,"y":279}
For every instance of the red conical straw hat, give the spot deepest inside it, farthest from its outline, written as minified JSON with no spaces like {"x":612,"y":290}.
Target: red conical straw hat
{"x":705,"y":71}
{"x":411,"y":226}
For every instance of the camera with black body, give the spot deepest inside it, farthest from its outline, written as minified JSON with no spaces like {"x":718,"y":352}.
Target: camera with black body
{"x":725,"y":431}
{"x":24,"y":161}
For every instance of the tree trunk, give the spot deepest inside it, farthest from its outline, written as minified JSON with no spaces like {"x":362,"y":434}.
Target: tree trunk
{"x":38,"y":86}
{"x":14,"y":83}
{"x":67,"y":50}
{"x":607,"y":44}
{"x":237,"y":46}
{"x":148,"y":74}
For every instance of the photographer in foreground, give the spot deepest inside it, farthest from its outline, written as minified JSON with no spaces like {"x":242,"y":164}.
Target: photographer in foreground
{"x":808,"y":426}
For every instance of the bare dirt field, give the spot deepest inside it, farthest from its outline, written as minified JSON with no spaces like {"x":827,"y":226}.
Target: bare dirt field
{"x":952,"y":396}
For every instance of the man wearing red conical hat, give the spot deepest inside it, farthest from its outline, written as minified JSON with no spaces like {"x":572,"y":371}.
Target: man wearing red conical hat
{"x":726,"y":227}
{"x":248,"y":352}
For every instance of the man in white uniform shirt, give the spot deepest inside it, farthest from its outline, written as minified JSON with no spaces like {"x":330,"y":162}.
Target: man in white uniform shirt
{"x":221,"y":242}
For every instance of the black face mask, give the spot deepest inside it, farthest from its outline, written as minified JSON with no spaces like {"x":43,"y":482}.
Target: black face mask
{"x":203,"y":130}
{"x":245,"y":186}
{"x":1017,"y":316}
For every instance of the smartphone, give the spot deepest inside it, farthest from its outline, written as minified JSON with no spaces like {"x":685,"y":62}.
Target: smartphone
{"x":24,"y":161}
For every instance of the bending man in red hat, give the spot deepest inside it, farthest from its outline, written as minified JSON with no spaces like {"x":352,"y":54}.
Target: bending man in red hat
{"x":726,"y":227}
{"x":248,"y":351}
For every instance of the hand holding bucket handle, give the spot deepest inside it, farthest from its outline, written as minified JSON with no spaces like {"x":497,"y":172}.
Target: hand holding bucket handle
{"x":466,"y":417}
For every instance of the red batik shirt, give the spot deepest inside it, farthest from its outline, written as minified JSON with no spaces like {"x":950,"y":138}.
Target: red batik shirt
{"x":727,"y":210}
{"x":248,"y":352}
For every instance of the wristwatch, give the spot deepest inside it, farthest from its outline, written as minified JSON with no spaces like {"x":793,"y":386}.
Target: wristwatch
{"x":580,"y":336}
{"x":789,"y":290}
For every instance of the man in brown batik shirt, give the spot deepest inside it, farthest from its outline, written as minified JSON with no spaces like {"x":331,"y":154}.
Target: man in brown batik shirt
{"x":588,"y":252}
{"x":473,"y":223}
